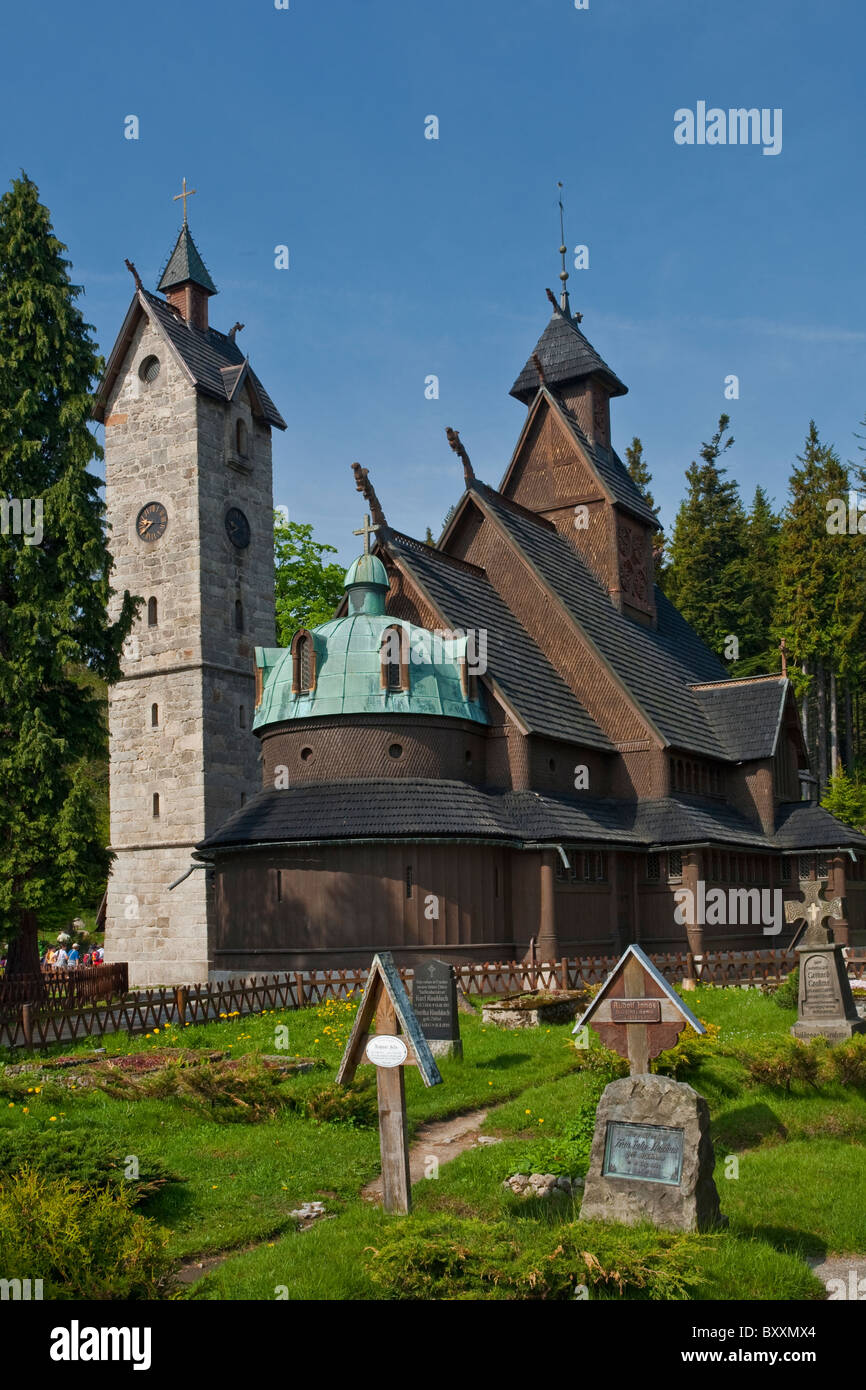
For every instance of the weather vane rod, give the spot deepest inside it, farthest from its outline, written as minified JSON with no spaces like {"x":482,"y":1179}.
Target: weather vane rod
{"x":563,"y":274}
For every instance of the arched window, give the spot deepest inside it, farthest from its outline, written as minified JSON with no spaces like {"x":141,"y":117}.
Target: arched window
{"x":154,"y":716}
{"x":156,"y":803}
{"x":152,"y":613}
{"x":239,"y":616}
{"x":303,"y":663}
{"x":242,"y":438}
{"x":394,"y":660}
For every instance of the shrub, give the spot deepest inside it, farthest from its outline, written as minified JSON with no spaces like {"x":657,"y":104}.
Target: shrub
{"x":438,"y":1257}
{"x":787,"y":994}
{"x":243,"y":1091}
{"x":781,"y":1064}
{"x":846,"y":1062}
{"x":687,"y":1054}
{"x":83,"y":1244}
{"x":355,"y":1106}
{"x":82,"y":1156}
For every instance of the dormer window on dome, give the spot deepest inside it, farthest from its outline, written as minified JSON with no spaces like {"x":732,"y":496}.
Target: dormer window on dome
{"x":303,"y":663}
{"x":394,"y":659}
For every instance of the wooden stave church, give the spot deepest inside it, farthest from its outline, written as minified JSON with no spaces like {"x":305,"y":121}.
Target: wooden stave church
{"x":474,"y":842}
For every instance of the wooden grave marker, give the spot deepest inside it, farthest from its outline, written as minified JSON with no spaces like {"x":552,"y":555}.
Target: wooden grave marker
{"x":637,"y":1013}
{"x":398,"y":1042}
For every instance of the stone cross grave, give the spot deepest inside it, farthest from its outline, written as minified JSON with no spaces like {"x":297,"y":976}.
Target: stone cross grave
{"x":652,"y":1157}
{"x":825,"y":1004}
{"x":434,"y":1001}
{"x":397,"y":1043}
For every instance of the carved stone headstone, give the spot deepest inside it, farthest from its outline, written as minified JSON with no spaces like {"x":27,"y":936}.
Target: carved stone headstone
{"x":434,"y":1000}
{"x":825,"y":1004}
{"x":652,"y":1157}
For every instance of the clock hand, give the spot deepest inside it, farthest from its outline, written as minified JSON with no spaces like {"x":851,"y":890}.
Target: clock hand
{"x":144,"y":524}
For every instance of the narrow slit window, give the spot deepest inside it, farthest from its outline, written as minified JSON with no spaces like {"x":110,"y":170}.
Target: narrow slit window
{"x":154,"y":716}
{"x":155,"y":804}
{"x":152,"y":613}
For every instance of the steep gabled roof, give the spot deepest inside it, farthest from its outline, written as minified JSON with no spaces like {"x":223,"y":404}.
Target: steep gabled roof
{"x":204,"y":356}
{"x":613,"y":477}
{"x":655,"y":666}
{"x":185,"y":263}
{"x":465,"y":598}
{"x":565,"y":355}
{"x":746,"y":714}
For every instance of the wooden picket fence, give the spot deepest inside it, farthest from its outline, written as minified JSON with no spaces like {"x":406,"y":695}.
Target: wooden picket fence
{"x":66,"y":989}
{"x":36,"y":1024}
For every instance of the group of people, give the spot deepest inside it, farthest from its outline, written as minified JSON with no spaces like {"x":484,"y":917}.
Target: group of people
{"x":58,"y":958}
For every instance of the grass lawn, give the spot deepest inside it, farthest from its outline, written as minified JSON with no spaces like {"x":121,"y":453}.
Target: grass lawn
{"x":798,"y":1160}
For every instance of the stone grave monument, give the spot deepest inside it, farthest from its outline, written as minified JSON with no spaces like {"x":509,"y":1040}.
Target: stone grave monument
{"x":825,"y":1004}
{"x":434,"y":1001}
{"x":652,"y":1156}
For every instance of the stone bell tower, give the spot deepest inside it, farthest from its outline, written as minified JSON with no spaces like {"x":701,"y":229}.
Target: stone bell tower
{"x":190,"y":506}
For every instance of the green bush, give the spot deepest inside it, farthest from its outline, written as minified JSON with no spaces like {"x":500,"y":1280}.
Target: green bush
{"x":780,"y":1064}
{"x":243,"y":1091}
{"x":687,"y":1054}
{"x":355,"y":1106}
{"x":448,"y":1258}
{"x":846,"y":1062}
{"x":83,"y":1244}
{"x":787,"y":994}
{"x":79,"y":1155}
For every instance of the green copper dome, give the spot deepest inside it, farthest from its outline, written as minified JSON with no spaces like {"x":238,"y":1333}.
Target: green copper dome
{"x":348,"y":664}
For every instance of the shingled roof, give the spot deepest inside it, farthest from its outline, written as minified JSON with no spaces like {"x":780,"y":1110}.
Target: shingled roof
{"x":655,"y":665}
{"x":185,"y":263}
{"x":745,"y":714}
{"x":806,"y":825}
{"x":565,"y":355}
{"x":465,"y":597}
{"x":609,"y":466}
{"x":399,"y":808}
{"x":204,"y":355}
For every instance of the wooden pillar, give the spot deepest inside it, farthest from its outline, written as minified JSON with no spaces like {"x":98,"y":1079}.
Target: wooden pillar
{"x":691,"y":874}
{"x":393,"y":1137}
{"x":548,"y":945}
{"x":836,"y":889}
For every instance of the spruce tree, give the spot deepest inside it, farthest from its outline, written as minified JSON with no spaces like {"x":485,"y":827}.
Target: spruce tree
{"x":641,"y":476}
{"x":754,"y":578}
{"x":815,"y":599}
{"x":54,"y":589}
{"x":706,"y":575}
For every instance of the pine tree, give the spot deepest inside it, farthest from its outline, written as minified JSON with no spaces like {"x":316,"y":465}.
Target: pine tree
{"x":641,"y":476}
{"x":706,"y":576}
{"x":428,"y":538}
{"x":754,"y":577}
{"x":54,"y":589}
{"x":815,"y":600}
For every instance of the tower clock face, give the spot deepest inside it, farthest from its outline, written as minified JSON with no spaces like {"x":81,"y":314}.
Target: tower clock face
{"x":237,"y":528}
{"x":151,"y":522}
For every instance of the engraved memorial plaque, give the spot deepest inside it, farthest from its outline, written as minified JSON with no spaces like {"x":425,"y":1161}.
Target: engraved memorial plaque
{"x":635,"y":1010}
{"x":434,"y":1000}
{"x":820,"y":988}
{"x":650,"y":1153}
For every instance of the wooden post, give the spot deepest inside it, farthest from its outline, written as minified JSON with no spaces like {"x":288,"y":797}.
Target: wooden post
{"x":27,"y":1026}
{"x":638,"y":1042}
{"x":181,"y":996}
{"x":299,"y":988}
{"x":393,"y":1136}
{"x":563,"y":972}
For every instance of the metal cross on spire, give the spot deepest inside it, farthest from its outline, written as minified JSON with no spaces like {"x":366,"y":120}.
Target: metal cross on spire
{"x":367,"y":530}
{"x":563,"y":274}
{"x":185,"y":194}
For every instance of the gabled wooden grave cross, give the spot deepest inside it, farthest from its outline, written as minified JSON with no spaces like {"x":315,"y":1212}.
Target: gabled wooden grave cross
{"x":397,"y":1043}
{"x":636,"y":1012}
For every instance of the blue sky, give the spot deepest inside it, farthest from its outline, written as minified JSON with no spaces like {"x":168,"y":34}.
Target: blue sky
{"x":411,"y":257}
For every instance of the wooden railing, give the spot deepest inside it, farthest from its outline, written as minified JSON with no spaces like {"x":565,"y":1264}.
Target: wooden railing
{"x":32,"y":1023}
